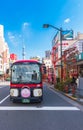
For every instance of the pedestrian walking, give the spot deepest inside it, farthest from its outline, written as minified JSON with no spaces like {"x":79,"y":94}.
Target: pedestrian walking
{"x":73,"y":82}
{"x":52,"y":79}
{"x":77,"y":82}
{"x":73,"y":85}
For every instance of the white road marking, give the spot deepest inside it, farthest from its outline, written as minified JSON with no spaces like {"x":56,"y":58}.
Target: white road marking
{"x":3,"y":86}
{"x":4,"y":99}
{"x":4,"y":83}
{"x":39,"y":108}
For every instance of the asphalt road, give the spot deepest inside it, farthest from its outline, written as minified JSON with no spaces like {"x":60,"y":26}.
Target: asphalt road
{"x":56,"y":112}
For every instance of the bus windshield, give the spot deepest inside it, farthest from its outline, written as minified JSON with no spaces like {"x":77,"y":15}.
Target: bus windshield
{"x":25,"y":73}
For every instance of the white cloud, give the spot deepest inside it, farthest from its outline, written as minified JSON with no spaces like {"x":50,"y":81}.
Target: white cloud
{"x":26,"y":30}
{"x":11,"y":36}
{"x":25,"y":25}
{"x":14,"y":38}
{"x":67,"y":20}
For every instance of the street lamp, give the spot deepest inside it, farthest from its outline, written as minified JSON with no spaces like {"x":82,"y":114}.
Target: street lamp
{"x":60,"y":30}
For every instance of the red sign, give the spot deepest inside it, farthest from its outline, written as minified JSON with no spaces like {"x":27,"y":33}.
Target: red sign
{"x":13,"y":56}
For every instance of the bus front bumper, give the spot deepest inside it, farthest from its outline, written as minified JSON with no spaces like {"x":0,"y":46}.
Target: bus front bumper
{"x":26,"y":95}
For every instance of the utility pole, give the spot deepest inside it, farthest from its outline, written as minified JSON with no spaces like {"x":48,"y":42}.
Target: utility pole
{"x":60,"y":30}
{"x":61,"y":53}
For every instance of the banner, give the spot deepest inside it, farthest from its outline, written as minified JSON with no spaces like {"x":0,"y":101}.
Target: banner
{"x":67,"y":34}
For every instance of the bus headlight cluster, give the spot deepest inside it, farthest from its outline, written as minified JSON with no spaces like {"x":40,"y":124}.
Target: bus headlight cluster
{"x":14,"y":92}
{"x":37,"y":92}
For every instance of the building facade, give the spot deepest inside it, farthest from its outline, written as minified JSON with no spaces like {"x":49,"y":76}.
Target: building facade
{"x":65,"y":62}
{"x":4,"y":53}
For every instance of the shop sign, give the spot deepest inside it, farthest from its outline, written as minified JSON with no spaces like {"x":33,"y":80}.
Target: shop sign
{"x":67,"y":34}
{"x":80,"y":56}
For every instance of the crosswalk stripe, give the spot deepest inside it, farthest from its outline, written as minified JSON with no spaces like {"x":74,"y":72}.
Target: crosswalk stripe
{"x":40,"y":108}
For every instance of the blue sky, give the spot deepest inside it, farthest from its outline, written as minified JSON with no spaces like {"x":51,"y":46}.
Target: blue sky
{"x":23,"y":20}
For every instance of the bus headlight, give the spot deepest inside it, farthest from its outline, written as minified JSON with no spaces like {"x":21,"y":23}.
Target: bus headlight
{"x":14,"y":92}
{"x":37,"y":92}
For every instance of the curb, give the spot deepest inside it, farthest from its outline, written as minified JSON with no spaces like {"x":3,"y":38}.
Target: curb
{"x":71,"y":97}
{"x":65,"y":94}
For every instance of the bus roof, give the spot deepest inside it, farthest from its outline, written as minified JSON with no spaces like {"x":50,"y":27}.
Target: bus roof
{"x":20,"y":61}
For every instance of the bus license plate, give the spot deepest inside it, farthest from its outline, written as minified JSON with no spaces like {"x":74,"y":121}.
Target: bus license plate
{"x":25,"y":101}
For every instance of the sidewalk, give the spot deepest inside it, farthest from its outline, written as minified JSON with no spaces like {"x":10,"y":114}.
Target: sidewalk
{"x":4,"y":83}
{"x":69,"y":95}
